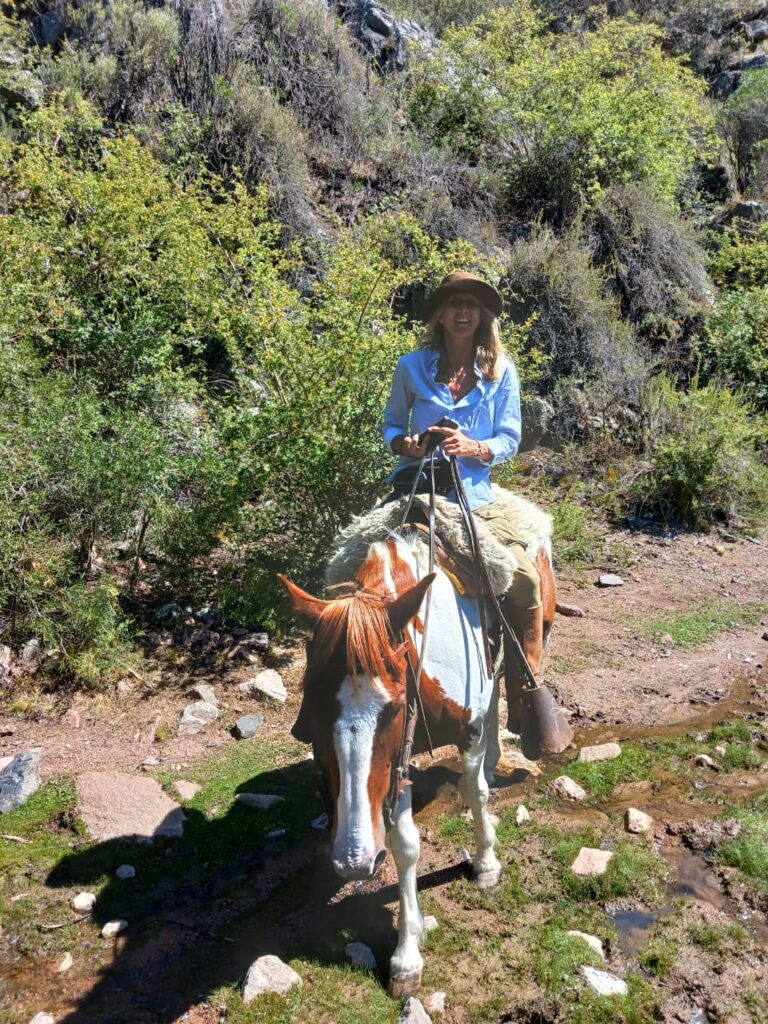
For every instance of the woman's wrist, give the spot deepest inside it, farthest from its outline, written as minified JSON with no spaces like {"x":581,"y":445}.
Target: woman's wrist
{"x":396,"y":444}
{"x":482,"y":451}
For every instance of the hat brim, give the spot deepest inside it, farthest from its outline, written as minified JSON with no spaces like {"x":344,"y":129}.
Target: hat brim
{"x":482,"y":291}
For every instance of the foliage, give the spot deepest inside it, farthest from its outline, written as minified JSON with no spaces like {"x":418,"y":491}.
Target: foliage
{"x":734,"y":345}
{"x":749,"y":851}
{"x":693,"y":628}
{"x":703,"y":450}
{"x":743,"y":123}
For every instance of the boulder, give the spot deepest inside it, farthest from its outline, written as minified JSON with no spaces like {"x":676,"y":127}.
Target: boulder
{"x":568,"y":789}
{"x":381,"y":35}
{"x":169,"y":614}
{"x":248,"y":726}
{"x":19,"y":779}
{"x":413,"y":1013}
{"x":435,"y":1003}
{"x":196,"y":717}
{"x":603,"y":983}
{"x":268,"y":974}
{"x":600,"y":752}
{"x":209,"y":617}
{"x":266,"y":684}
{"x":537,"y":414}
{"x":115,"y":804}
{"x":755,"y":31}
{"x":638,"y":821}
{"x":591,"y":862}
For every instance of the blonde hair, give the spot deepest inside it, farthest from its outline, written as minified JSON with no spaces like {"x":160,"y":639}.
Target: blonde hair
{"x":488,"y":347}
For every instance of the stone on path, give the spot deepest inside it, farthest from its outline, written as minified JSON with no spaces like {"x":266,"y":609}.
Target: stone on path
{"x":43,"y":1018}
{"x":591,"y":940}
{"x":610,"y":579}
{"x":413,"y":1013}
{"x":720,"y":750}
{"x":566,"y":788}
{"x":268,"y":974}
{"x":115,"y":804}
{"x":259,"y":801}
{"x":19,"y":779}
{"x":65,"y":963}
{"x":522,"y":815}
{"x":600,"y":752}
{"x":591,"y":862}
{"x":248,"y":726}
{"x":83,"y":902}
{"x":430,"y":923}
{"x":112,"y":928}
{"x":205,"y":693}
{"x":571,"y":611}
{"x":435,"y":1003}
{"x":706,"y":762}
{"x":196,"y":717}
{"x":266,"y":684}
{"x":603,"y":983}
{"x":638,"y":821}
{"x":186,"y":790}
{"x":125,"y":871}
{"x":359,"y":955}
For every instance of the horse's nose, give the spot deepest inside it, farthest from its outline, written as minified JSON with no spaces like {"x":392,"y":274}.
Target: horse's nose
{"x":359,"y":869}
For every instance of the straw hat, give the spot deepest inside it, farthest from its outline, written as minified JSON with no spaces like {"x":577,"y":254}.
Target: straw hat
{"x":461,"y":281}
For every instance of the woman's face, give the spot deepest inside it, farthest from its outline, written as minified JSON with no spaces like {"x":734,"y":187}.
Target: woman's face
{"x":461,"y":315}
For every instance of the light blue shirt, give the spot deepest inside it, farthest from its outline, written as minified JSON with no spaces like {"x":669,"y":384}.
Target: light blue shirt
{"x":489,"y":413}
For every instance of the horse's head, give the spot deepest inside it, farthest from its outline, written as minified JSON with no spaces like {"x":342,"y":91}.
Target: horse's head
{"x":355,"y":697}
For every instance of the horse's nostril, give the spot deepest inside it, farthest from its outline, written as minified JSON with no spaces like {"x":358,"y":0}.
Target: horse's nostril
{"x":381,"y":856}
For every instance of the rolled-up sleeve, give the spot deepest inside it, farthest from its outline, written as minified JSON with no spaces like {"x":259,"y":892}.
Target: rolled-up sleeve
{"x":507,"y":428}
{"x":398,"y":409}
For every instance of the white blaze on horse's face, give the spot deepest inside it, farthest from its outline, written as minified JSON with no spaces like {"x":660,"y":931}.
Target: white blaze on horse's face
{"x":358,"y":843}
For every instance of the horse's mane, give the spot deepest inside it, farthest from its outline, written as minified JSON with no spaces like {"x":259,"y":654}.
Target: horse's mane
{"x":369,"y":647}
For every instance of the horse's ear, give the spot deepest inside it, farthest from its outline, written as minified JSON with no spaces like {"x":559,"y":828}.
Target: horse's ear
{"x":305,"y":607}
{"x":403,"y":608}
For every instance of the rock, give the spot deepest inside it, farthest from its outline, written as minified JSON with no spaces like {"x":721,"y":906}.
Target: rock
{"x":591,"y":940}
{"x":591,"y":862}
{"x":320,"y":823}
{"x":359,"y":955}
{"x":150,"y":762}
{"x":7,"y":729}
{"x":522,"y":815}
{"x":65,"y":963}
{"x":186,"y":790}
{"x":705,"y":761}
{"x":112,"y":928}
{"x":6,"y":658}
{"x":536,"y":414}
{"x":125,"y":871}
{"x":256,"y":641}
{"x":259,"y":801}
{"x":71,"y":718}
{"x":276,"y":833}
{"x":667,"y":640}
{"x":204,"y":640}
{"x":413,"y":1013}
{"x":600,"y":752}
{"x":565,"y":787}
{"x":430,"y":924}
{"x":49,"y":27}
{"x":384,"y":38}
{"x":124,"y":686}
{"x":266,"y":684}
{"x":268,"y":974}
{"x":603,"y":983}
{"x":609,"y":579}
{"x":746,"y":211}
{"x":638,"y":821}
{"x":720,"y":750}
{"x":32,"y":651}
{"x":248,"y":726}
{"x":43,"y":1018}
{"x":210,"y":617}
{"x":19,"y":779}
{"x":83,"y":902}
{"x":765,"y":635}
{"x":115,"y":804}
{"x":205,"y":693}
{"x":196,"y":717}
{"x":755,"y":31}
{"x":571,"y":611}
{"x":169,"y":614}
{"x":435,"y":1004}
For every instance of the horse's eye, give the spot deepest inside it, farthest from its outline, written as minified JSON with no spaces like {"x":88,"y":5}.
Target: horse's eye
{"x":387,"y":713}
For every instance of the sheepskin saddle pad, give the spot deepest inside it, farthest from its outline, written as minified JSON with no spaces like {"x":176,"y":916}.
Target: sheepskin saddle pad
{"x":531,"y":526}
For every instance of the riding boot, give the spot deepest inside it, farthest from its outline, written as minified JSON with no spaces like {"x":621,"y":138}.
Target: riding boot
{"x":528,"y":624}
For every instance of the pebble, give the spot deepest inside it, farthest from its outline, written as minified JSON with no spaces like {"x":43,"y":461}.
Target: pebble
{"x":435,"y":1003}
{"x":268,"y":974}
{"x":360,"y":955}
{"x":430,"y":923}
{"x":65,"y":963}
{"x":570,"y":611}
{"x":43,"y":1018}
{"x":638,"y":821}
{"x":83,"y":902}
{"x":591,"y":940}
{"x":150,"y":762}
{"x":600,"y":752}
{"x":259,"y":801}
{"x":610,"y":579}
{"x":603,"y":983}
{"x":248,"y":726}
{"x":706,"y":761}
{"x":112,"y":928}
{"x":186,"y":790}
{"x":276,"y":833}
{"x":206,"y":693}
{"x":126,"y":871}
{"x":266,"y":684}
{"x":522,"y":815}
{"x":320,"y":823}
{"x":413,"y":1013}
{"x":196,"y":717}
{"x":591,"y":862}
{"x":566,"y":788}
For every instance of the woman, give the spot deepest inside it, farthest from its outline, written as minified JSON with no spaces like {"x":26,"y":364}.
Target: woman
{"x":461,"y":372}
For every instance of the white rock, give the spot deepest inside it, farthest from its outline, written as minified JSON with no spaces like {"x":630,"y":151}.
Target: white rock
{"x":205,"y":692}
{"x":638,"y":821}
{"x":186,"y":790}
{"x":126,"y":871}
{"x":522,"y":815}
{"x":196,"y":717}
{"x":112,"y":928}
{"x":266,"y":684}
{"x":43,"y":1018}
{"x":150,"y":762}
{"x":591,"y":862}
{"x":268,"y":974}
{"x":259,"y":801}
{"x":359,"y":955}
{"x":603,"y":983}
{"x":65,"y":963}
{"x":413,"y":1013}
{"x":706,"y":761}
{"x":720,"y":750}
{"x":83,"y":902}
{"x":591,"y":940}
{"x":430,"y":923}
{"x":610,"y":579}
{"x":566,"y":788}
{"x":601,"y":752}
{"x":435,"y":1004}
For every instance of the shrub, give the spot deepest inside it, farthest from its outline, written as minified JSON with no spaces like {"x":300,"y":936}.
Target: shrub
{"x":743,"y":123}
{"x":734,"y":344}
{"x":704,"y":456}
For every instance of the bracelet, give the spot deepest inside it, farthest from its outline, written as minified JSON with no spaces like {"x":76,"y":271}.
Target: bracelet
{"x":478,"y":452}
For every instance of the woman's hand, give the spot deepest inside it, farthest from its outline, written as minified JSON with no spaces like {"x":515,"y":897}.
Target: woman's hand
{"x":410,"y":447}
{"x":455,"y":443}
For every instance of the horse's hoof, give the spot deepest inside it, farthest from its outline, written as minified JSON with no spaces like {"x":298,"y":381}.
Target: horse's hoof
{"x":403,"y":985}
{"x":487,"y":879}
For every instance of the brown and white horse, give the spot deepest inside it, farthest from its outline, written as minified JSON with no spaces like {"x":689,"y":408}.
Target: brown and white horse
{"x":355,"y":703}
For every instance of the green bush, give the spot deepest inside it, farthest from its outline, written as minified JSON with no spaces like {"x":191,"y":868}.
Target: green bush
{"x":743,"y":123}
{"x":734,"y":343}
{"x":704,"y":456}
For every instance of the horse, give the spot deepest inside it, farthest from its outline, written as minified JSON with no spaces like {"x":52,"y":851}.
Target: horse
{"x":354,"y":706}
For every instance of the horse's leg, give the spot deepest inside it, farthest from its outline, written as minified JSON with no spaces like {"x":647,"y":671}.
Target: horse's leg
{"x":493,"y":749}
{"x":406,"y":963}
{"x":474,"y":789}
